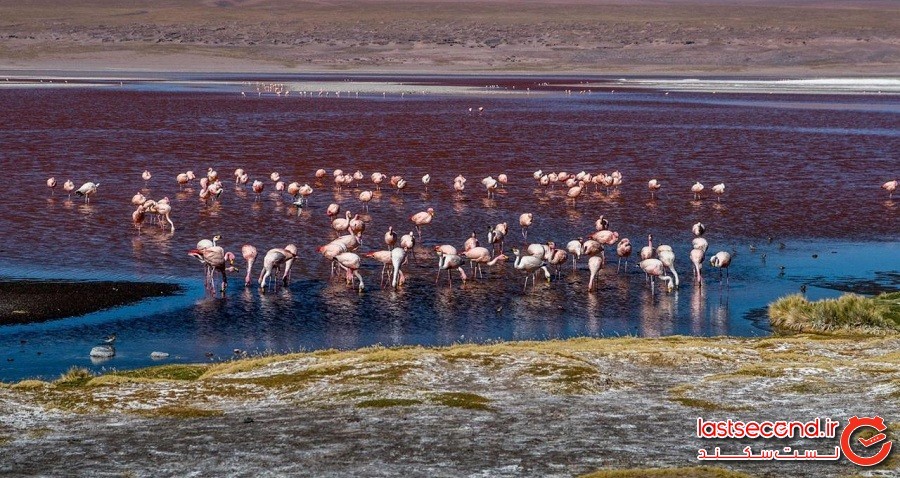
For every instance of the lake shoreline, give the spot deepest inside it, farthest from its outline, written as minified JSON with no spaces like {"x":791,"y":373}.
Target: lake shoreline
{"x":32,"y":301}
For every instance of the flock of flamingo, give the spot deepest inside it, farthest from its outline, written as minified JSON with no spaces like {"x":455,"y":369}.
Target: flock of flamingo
{"x":342,"y":252}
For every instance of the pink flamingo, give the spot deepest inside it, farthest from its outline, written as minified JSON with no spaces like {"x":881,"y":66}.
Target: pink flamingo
{"x":525,"y":220}
{"x":719,"y":189}
{"x":653,"y":185}
{"x":623,"y":250}
{"x":356,"y":225}
{"x":529,"y":265}
{"x":697,"y":260}
{"x":385,"y":258}
{"x":890,"y":187}
{"x":422,"y":218}
{"x":654,"y":267}
{"x":341,"y":224}
{"x":68,"y":187}
{"x":86,"y":190}
{"x":425,"y":180}
{"x":390,"y":237}
{"x":471,"y":242}
{"x":365,"y":197}
{"x":333,"y":210}
{"x":258,"y":187}
{"x":647,"y":251}
{"x":350,"y":262}
{"x":595,"y":263}
{"x":377,"y":179}
{"x":449,"y":263}
{"x":697,"y":188}
{"x":51,"y":183}
{"x":480,"y":255}
{"x":721,"y":261}
{"x":575,"y":248}
{"x":698,"y":229}
{"x":146,"y":176}
{"x":249,"y":253}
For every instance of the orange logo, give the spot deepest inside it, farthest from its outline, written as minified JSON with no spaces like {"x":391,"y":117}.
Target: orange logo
{"x":855,"y":423}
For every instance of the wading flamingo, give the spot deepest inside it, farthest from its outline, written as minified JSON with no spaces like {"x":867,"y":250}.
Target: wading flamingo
{"x":249,"y":254}
{"x":719,"y":189}
{"x":623,"y":251}
{"x":595,"y":263}
{"x":697,"y":188}
{"x":51,"y":183}
{"x":525,"y":221}
{"x":653,"y":185}
{"x":422,"y":218}
{"x":68,"y":187}
{"x":890,"y":187}
{"x":654,"y":267}
{"x":529,"y":265}
{"x":350,"y":262}
{"x":449,"y":263}
{"x":86,"y":190}
{"x":721,"y":261}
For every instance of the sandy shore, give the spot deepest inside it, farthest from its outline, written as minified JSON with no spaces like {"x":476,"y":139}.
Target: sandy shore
{"x":24,"y":302}
{"x":557,"y":408}
{"x":684,"y":37}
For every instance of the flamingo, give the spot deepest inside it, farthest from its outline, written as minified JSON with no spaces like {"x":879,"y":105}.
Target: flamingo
{"x":68,"y":187}
{"x":212,"y":175}
{"x":137,"y":217}
{"x":503,"y":179}
{"x":333,"y":210}
{"x":341,"y":224}
{"x":422,"y":218}
{"x":237,"y":175}
{"x":215,"y":190}
{"x":305,"y":192}
{"x":459,"y":186}
{"x":449,"y":263}
{"x":398,"y":257}
{"x":719,"y":189}
{"x":293,"y":189}
{"x":357,"y":176}
{"x":377,"y":179}
{"x":320,"y":173}
{"x":697,"y":260}
{"x":365,"y":197}
{"x":700,"y":243}
{"x":491,"y":185}
{"x":138,"y":199}
{"x":244,"y":179}
{"x":51,"y":183}
{"x":425,"y":180}
{"x":574,"y":192}
{"x":350,"y":262}
{"x":356,"y":225}
{"x":575,"y":248}
{"x":390,"y":237}
{"x":86,"y":190}
{"x":647,"y":251}
{"x":698,"y":229}
{"x":667,"y":256}
{"x":606,"y":237}
{"x":272,"y":262}
{"x":591,"y":247}
{"x":215,"y":259}
{"x":529,"y":265}
{"x":721,"y":261}
{"x":890,"y":187}
{"x":653,"y":185}
{"x":481,"y":255}
{"x":385,"y":258}
{"x":623,"y":250}
{"x":163,"y":209}
{"x":496,"y":235}
{"x":697,"y":188}
{"x":279,"y":186}
{"x":471,"y":242}
{"x":275,"y":177}
{"x":595,"y":263}
{"x":146,"y":176}
{"x":249,"y":253}
{"x":525,"y":221}
{"x":541,"y":251}
{"x":258,"y":187}
{"x":654,"y":267}
{"x":602,"y":224}
{"x":557,"y":258}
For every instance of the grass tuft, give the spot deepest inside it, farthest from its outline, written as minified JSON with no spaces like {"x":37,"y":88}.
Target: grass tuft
{"x":850,"y":313}
{"x":388,"y":402}
{"x":181,"y":412}
{"x":75,"y":377}
{"x":469,"y":401}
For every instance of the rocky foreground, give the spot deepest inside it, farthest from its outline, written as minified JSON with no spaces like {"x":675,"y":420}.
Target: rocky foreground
{"x":559,"y":408}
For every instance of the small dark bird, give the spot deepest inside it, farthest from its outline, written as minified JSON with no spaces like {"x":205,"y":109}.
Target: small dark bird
{"x":110,"y":338}
{"x":815,"y":256}
{"x":803,"y":288}
{"x":209,"y":355}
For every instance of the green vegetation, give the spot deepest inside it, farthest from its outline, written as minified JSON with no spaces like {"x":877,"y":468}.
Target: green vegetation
{"x":388,"y":402}
{"x":181,"y":412}
{"x":469,"y":401}
{"x":74,"y":377}
{"x":687,"y":472}
{"x":849,"y":313}
{"x":166,"y":372}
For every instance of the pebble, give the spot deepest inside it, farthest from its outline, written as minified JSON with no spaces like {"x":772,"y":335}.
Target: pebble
{"x":103,"y":351}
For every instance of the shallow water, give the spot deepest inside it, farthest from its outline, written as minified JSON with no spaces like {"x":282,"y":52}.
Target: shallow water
{"x":803,"y":170}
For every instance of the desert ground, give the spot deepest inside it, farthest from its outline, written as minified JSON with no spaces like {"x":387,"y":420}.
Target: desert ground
{"x":696,"y":37}
{"x":556,"y":408}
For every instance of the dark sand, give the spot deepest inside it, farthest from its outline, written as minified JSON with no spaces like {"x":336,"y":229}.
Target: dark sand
{"x":24,"y":302}
{"x":696,"y":37}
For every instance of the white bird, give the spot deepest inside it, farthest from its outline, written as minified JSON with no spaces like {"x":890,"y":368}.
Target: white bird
{"x":719,"y":189}
{"x":86,"y":190}
{"x":721,"y":261}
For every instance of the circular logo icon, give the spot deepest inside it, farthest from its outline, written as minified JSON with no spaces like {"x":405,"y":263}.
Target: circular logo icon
{"x":856,"y":423}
